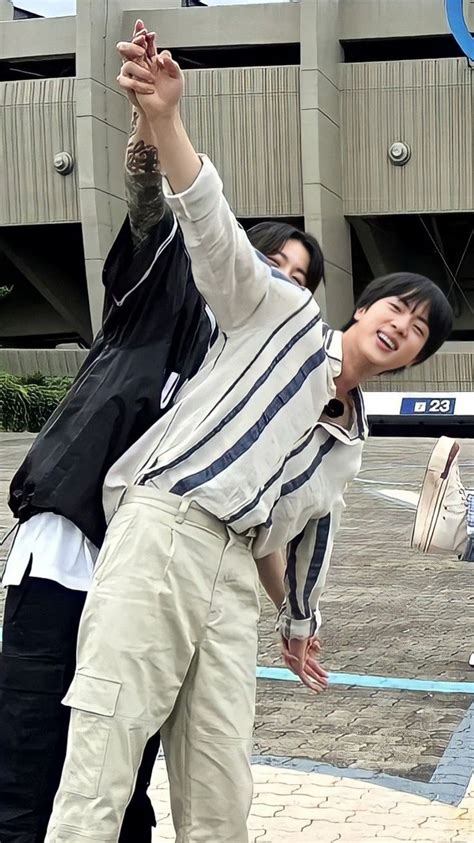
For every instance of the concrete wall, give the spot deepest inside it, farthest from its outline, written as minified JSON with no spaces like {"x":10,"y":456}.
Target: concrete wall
{"x":217,"y":26}
{"x":447,"y":371}
{"x":262,"y":177}
{"x":37,"y":120}
{"x":48,"y":361}
{"x":248,"y":121}
{"x":427,"y":104}
{"x":362,"y":19}
{"x":37,"y":37}
{"x":6,"y":10}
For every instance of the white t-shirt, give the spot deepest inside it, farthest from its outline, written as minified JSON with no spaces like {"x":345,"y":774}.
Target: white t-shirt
{"x":59,"y":551}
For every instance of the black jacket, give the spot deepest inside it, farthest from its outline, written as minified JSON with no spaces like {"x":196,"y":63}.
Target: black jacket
{"x":154,"y":328}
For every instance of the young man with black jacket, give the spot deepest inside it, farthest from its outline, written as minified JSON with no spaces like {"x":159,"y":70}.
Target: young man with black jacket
{"x":155,"y":333}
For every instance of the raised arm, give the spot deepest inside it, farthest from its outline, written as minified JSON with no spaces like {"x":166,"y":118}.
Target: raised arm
{"x":226,"y":268}
{"x":143,"y":182}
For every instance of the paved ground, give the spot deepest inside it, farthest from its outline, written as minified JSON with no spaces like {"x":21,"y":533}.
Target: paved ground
{"x":389,"y":612}
{"x":299,"y":807}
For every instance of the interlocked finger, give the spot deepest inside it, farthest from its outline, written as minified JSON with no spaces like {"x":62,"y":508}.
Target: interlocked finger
{"x":130,"y":84}
{"x":129,"y":51}
{"x":137,"y":71}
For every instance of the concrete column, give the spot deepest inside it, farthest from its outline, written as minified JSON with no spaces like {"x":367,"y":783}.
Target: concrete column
{"x":102,"y":129}
{"x":6,"y":10}
{"x":321,"y":153}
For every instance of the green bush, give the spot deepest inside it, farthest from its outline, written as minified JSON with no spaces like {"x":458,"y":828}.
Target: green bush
{"x":27,"y":403}
{"x":5,"y":291}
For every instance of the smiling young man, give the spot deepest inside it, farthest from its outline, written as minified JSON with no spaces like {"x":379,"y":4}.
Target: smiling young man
{"x":254,"y":455}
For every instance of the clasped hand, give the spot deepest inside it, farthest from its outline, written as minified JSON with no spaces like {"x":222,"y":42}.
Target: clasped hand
{"x":152,"y":80}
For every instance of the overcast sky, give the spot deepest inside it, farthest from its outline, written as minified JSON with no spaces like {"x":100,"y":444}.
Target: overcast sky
{"x":53,"y":8}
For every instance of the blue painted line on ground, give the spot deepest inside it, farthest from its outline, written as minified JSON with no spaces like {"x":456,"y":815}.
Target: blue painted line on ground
{"x":382,"y":682}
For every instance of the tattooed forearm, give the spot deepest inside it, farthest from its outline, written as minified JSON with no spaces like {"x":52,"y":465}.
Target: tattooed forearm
{"x":146,"y":204}
{"x":143,"y":188}
{"x":141,"y":157}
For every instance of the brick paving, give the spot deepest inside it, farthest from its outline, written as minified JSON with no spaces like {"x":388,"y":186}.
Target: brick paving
{"x":293,"y":806}
{"x":401,"y":733}
{"x":387,"y":611}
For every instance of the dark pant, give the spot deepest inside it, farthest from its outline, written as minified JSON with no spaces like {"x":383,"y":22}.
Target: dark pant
{"x":468,"y":555}
{"x":36,"y":667}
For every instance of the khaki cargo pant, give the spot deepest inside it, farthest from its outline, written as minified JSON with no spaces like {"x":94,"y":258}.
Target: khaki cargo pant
{"x":168,"y":640}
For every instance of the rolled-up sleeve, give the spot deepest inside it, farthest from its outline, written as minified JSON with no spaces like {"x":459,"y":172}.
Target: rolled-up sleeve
{"x":226,"y":270}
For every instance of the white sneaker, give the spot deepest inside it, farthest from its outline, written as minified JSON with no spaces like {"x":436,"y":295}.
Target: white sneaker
{"x":440,"y":520}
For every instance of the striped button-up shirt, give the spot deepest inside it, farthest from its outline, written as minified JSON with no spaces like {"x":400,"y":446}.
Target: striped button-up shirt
{"x":245,"y":439}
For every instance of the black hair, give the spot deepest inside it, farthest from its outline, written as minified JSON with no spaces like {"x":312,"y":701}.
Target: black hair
{"x":412,"y":289}
{"x":270,"y":237}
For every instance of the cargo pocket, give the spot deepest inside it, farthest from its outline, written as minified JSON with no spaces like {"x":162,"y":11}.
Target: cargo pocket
{"x":93,"y":702}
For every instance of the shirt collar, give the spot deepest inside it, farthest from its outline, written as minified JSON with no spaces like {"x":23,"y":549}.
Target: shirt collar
{"x":333,"y":348}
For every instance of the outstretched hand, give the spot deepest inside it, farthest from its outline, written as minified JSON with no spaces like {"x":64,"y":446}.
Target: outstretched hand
{"x":299,"y":656}
{"x":153,"y":81}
